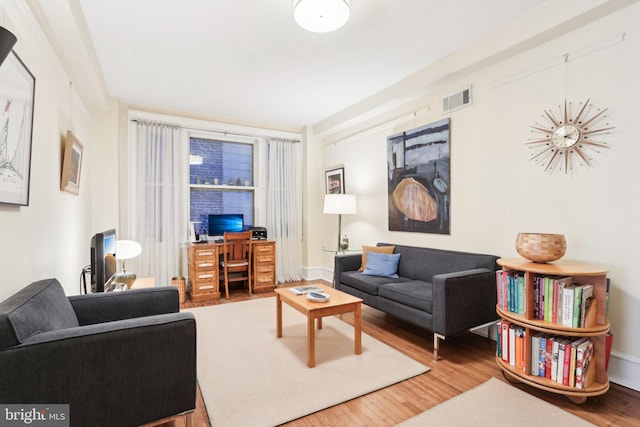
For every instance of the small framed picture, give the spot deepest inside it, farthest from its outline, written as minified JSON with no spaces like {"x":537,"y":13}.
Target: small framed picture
{"x":334,"y":180}
{"x":71,"y":165}
{"x":17,"y":91}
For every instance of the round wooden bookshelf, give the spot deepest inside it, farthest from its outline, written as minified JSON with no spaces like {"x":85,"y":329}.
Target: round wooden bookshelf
{"x":595,"y":381}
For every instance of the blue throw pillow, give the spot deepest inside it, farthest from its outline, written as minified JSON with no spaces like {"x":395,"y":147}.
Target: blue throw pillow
{"x":385,"y":265}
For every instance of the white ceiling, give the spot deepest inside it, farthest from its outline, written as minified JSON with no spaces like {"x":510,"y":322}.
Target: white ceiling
{"x":248,"y":61}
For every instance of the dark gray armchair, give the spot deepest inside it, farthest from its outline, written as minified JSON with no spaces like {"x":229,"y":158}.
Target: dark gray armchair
{"x":118,"y":359}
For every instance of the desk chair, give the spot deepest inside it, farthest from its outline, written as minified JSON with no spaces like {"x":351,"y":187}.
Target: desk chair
{"x":236,"y":263}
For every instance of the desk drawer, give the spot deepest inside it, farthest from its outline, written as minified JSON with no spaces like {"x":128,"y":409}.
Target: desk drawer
{"x":263,"y":249}
{"x":264,"y":259}
{"x":265,"y":270}
{"x":204,"y":253}
{"x":264,"y":279}
{"x":204,"y":265}
{"x":207,"y":287}
{"x":205,"y":276}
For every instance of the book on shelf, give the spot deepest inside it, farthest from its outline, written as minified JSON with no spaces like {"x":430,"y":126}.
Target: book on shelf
{"x":499,"y":340}
{"x":301,"y":290}
{"x":548,"y":299}
{"x":521,"y":294}
{"x":499,"y":290}
{"x":577,"y":304}
{"x":512,"y":345}
{"x":520,"y":349}
{"x":584,"y":353}
{"x":567,"y":304}
{"x":574,"y":348}
{"x":542,"y":356}
{"x":560,"y":368}
{"x":548,"y":357}
{"x":557,"y":307}
{"x":585,"y":304}
{"x":566,"y":371}
{"x":535,"y":352}
{"x":555,"y":348}
{"x":505,"y":340}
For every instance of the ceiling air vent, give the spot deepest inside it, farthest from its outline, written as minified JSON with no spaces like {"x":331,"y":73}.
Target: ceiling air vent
{"x":457,"y":100}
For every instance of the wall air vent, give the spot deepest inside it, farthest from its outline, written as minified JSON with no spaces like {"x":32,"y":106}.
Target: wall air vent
{"x":457,"y":100}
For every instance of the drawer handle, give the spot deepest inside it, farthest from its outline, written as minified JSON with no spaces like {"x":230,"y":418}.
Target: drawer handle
{"x":205,"y":287}
{"x":206,"y":264}
{"x":205,"y":253}
{"x":205,"y":276}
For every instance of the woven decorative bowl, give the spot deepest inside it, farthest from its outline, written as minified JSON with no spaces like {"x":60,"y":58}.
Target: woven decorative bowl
{"x":539,"y":247}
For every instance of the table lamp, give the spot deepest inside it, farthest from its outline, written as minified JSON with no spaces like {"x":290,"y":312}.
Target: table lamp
{"x":126,"y":249}
{"x":339,"y":204}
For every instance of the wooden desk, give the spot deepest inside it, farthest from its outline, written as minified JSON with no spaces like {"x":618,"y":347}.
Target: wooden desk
{"x":204,"y":268}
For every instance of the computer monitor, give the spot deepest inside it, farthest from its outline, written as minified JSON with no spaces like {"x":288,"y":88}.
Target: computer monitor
{"x":221,"y":223}
{"x":103,"y":259}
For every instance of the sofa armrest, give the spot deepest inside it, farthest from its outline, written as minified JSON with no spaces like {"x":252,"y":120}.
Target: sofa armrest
{"x":463,"y":300}
{"x":126,"y":372}
{"x":344,"y":263}
{"x":111,"y":306}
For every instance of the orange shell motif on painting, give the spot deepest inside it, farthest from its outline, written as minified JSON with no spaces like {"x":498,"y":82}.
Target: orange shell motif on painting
{"x":414,"y":201}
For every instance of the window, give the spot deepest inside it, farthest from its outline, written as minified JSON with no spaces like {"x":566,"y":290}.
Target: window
{"x":221,"y":179}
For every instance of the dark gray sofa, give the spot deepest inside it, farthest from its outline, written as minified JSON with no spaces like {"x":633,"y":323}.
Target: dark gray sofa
{"x":445,"y":292}
{"x":118,"y":358}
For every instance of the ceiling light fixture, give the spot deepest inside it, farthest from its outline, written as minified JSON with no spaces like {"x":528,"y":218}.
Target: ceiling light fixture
{"x":321,"y":16}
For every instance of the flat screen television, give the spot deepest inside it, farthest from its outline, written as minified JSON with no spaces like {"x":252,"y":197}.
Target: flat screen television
{"x":103,"y":261}
{"x":219,"y":223}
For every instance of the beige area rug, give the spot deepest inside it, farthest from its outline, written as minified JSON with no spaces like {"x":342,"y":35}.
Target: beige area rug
{"x":248,"y":377}
{"x":495,"y":403}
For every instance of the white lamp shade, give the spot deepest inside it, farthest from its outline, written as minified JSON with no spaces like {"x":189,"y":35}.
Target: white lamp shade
{"x":126,"y":249}
{"x":339,"y":204}
{"x":321,"y":16}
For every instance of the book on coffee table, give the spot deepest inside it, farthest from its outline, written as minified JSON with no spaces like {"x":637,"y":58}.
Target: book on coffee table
{"x":301,"y":290}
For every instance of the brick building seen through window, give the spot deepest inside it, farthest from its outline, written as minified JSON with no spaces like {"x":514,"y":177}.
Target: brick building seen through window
{"x":230,"y":165}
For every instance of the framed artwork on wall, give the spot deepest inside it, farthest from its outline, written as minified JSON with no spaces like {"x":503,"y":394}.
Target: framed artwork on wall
{"x":419,"y":177}
{"x":71,"y":164}
{"x":17,"y":90}
{"x":334,"y":181}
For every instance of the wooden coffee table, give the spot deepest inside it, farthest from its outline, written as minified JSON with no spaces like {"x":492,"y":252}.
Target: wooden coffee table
{"x":339,"y":303}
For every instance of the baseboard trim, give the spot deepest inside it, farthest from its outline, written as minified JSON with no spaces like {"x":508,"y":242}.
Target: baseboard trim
{"x":624,"y":370}
{"x":317,"y":273}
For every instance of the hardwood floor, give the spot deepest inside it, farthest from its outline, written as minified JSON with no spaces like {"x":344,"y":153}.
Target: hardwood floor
{"x":467,"y":361}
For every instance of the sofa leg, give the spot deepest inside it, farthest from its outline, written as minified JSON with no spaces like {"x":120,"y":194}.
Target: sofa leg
{"x":436,"y":345}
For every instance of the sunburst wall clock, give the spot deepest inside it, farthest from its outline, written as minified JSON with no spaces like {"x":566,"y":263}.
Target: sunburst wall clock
{"x":565,"y":140}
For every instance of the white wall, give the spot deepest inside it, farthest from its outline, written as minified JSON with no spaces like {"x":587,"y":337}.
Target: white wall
{"x":51,"y":236}
{"x":497,"y":191}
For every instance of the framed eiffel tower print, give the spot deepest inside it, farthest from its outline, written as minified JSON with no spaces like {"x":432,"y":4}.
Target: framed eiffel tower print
{"x":17,"y":89}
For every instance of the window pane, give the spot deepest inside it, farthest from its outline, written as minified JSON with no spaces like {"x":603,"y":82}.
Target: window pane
{"x":231,"y":163}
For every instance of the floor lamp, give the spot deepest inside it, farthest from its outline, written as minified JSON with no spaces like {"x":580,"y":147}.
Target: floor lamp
{"x":339,"y":204}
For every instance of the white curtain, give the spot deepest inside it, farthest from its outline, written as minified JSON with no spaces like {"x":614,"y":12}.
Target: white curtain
{"x":284,"y":207}
{"x":157,"y":206}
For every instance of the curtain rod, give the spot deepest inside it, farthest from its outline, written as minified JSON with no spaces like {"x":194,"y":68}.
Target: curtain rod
{"x":223,"y":132}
